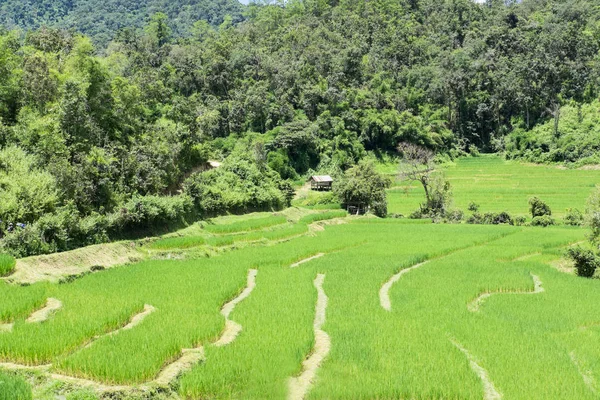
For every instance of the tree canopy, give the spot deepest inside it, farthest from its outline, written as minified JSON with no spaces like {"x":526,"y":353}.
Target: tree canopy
{"x":162,"y":87}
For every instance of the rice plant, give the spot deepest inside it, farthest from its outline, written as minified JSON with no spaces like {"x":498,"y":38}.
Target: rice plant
{"x":7,"y":264}
{"x":498,"y":185}
{"x":246,"y":225}
{"x":532,"y":344}
{"x":13,"y":387}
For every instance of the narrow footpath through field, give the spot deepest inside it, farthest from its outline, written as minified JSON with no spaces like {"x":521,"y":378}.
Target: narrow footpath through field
{"x":299,"y":386}
{"x":475,"y":305}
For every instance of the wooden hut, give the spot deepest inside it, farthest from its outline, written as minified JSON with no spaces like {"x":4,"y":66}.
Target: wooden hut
{"x":321,"y":182}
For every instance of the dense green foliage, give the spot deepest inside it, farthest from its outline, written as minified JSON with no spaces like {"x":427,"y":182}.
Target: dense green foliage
{"x":293,"y":88}
{"x":105,"y":20}
{"x":586,"y":261}
{"x":577,"y":140}
{"x":538,"y":208}
{"x":364,"y":188}
{"x":14,"y":388}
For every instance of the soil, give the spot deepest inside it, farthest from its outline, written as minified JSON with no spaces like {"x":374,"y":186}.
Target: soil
{"x":300,"y":386}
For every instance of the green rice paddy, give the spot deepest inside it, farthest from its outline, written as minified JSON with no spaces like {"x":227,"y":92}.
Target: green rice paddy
{"x":498,"y":185}
{"x":469,"y":294}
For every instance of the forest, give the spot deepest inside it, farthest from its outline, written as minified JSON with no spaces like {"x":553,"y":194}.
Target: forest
{"x":104,"y":136}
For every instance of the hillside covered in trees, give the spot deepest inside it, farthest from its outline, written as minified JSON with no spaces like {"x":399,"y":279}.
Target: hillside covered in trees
{"x":99,"y":142}
{"x":102,"y":20}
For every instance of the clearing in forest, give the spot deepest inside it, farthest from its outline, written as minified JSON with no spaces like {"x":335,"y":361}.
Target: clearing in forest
{"x":497,"y":185}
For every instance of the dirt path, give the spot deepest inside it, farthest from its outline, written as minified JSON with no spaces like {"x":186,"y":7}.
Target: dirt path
{"x":191,"y":357}
{"x":21,"y":367}
{"x":188,"y":358}
{"x":232,"y":328}
{"x":41,"y":315}
{"x":296,"y":264}
{"x":135,"y":320}
{"x":302,"y":192}
{"x":587,"y":375}
{"x":489,"y":390}
{"x":85,"y":383}
{"x":527,"y":256}
{"x":384,"y":292}
{"x":474,"y":305}
{"x":300,"y":386}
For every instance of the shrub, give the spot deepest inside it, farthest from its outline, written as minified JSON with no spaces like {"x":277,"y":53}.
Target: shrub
{"x":491,"y":218}
{"x":592,"y":214}
{"x":475,"y":218}
{"x":417,"y":214}
{"x":573,"y":217}
{"x":474,"y":151}
{"x":237,"y":186}
{"x":473,"y":207}
{"x":147,"y":212}
{"x":14,"y":388}
{"x":454,"y":216}
{"x":497,"y":218}
{"x":593,"y":220}
{"x":321,"y":199}
{"x":538,"y":208}
{"x":520,"y":220}
{"x":586,"y":261}
{"x":363,"y":186}
{"x":396,"y":216}
{"x":7,"y":264}
{"x":544,"y":221}
{"x":25,"y":242}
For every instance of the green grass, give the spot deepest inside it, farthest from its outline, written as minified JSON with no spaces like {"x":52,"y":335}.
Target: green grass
{"x":183,"y":242}
{"x":7,"y":264}
{"x":311,"y":218}
{"x":525,"y":342}
{"x":247,"y":225}
{"x":14,"y":388}
{"x":498,"y":185}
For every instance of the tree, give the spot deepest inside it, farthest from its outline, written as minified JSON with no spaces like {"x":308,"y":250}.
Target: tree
{"x":592,"y":215}
{"x":363,"y":186}
{"x":417,"y":165}
{"x":538,"y":208}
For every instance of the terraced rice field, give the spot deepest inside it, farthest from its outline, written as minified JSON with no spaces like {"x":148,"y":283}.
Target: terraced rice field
{"x":388,"y":309}
{"x":498,"y":185}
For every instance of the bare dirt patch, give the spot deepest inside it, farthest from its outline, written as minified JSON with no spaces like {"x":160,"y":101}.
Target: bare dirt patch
{"x":54,"y":267}
{"x":300,"y":386}
{"x":41,"y":315}
{"x":232,"y":328}
{"x":189,"y":358}
{"x":564,"y":265}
